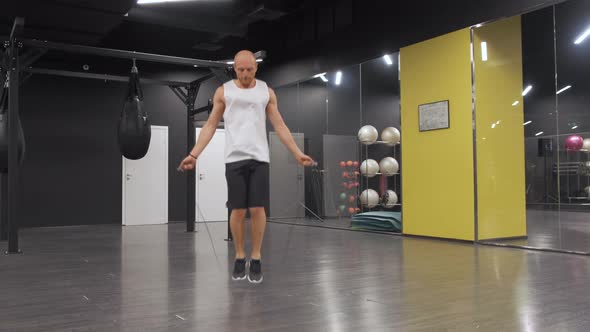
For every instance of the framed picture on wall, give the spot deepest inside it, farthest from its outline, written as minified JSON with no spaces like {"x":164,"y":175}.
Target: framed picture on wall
{"x":434,"y":116}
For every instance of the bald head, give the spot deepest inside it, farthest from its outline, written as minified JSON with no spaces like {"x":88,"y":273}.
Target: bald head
{"x":244,"y":55}
{"x":245,"y":67}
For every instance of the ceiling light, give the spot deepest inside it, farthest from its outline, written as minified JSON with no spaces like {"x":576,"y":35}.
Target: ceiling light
{"x":387,"y":59}
{"x":528,"y":122}
{"x":230,"y":62}
{"x":563,"y":89}
{"x":259,"y":60}
{"x":484,"y":51}
{"x":527,"y":90}
{"x":147,"y":2}
{"x":195,"y":66}
{"x":493,"y":125}
{"x":322,"y":76}
{"x":583,"y":36}
{"x":574,"y":127}
{"x":539,"y":133}
{"x":338,"y":78}
{"x":515,"y":103}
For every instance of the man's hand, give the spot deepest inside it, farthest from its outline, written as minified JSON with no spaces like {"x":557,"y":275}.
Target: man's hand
{"x":187,"y":164}
{"x":305,"y":160}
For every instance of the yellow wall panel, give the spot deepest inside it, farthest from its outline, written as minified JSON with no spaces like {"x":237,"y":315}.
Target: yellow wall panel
{"x":500,"y":132}
{"x":438,"y":176}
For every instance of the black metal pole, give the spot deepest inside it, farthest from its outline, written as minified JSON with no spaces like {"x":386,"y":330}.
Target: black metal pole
{"x":107,"y":77}
{"x":13,"y":109}
{"x":191,"y":190}
{"x":123,"y":54}
{"x":4,"y":60}
{"x":3,"y":206}
{"x":190,"y":180}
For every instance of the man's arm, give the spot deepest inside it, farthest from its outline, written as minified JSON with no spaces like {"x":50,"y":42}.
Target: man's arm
{"x":272,"y":111}
{"x":210,"y":126}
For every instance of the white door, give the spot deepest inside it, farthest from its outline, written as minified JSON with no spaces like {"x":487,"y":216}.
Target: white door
{"x":211,"y":184}
{"x":287,"y":185}
{"x":145,"y":183}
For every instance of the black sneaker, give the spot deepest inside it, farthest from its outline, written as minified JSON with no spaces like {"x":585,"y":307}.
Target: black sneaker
{"x":239,"y":269}
{"x":255,"y":271}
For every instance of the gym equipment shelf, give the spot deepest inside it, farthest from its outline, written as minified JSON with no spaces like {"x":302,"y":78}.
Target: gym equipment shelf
{"x":365,"y":147}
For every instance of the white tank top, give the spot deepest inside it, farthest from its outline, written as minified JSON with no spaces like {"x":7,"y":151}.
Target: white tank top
{"x":245,"y":122}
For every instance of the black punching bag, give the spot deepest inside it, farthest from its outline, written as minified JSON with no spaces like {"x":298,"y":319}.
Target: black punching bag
{"x":134,"y":126}
{"x":4,"y":133}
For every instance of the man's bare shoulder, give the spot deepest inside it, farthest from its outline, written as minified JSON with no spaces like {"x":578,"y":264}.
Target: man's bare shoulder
{"x":219,"y":93}
{"x":271,"y":91}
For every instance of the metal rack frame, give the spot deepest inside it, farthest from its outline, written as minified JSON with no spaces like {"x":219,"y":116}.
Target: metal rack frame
{"x":15,"y":64}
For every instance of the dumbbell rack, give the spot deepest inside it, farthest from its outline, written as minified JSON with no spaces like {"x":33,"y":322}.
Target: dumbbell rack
{"x":349,"y":191}
{"x":396,"y":180}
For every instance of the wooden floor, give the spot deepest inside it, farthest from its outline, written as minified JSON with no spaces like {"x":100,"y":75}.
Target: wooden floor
{"x":561,"y":230}
{"x":159,"y":278}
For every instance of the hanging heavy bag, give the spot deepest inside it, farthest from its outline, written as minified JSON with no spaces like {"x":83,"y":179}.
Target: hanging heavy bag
{"x":134,"y":129}
{"x":4,"y":133}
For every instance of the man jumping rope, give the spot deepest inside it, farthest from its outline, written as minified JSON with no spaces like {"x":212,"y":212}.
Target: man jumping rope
{"x":244,"y":105}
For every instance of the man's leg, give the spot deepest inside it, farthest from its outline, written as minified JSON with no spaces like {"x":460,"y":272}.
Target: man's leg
{"x":237,"y":224}
{"x":237,"y":175}
{"x":257,"y":224}
{"x":258,"y":197}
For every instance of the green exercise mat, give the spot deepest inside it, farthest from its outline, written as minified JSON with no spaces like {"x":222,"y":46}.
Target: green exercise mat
{"x":378,"y":221}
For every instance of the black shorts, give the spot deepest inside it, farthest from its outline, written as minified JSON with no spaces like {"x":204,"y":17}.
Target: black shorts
{"x":247,"y":184}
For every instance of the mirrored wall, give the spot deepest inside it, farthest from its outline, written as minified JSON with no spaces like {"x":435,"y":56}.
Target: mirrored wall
{"x":325,"y":113}
{"x":555,"y":124}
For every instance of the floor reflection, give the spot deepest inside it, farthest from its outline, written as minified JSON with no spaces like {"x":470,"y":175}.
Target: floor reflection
{"x":555,"y":229}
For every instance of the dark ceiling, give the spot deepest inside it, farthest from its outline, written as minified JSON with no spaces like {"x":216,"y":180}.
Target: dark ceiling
{"x":340,"y":31}
{"x":207,"y":29}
